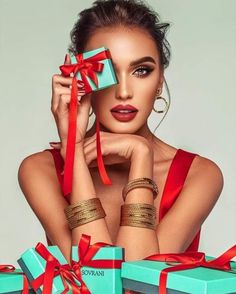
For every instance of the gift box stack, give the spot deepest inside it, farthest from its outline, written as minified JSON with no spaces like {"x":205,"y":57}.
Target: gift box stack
{"x":94,"y":269}
{"x":100,"y":268}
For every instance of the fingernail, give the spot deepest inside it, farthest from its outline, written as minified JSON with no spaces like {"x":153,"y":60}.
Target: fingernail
{"x":65,"y":58}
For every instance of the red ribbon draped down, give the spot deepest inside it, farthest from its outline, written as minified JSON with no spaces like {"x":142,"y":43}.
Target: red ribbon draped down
{"x":88,"y":68}
{"x":53,"y":269}
{"x":9,"y":269}
{"x":86,"y":252}
{"x":191,"y":260}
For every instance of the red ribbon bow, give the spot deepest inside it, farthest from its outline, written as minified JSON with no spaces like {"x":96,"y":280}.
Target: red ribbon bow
{"x":88,"y":68}
{"x":191,"y":260}
{"x":53,"y":269}
{"x":86,"y":252}
{"x":9,"y":269}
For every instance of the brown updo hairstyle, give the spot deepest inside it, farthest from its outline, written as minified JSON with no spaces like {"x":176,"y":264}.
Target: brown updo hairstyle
{"x":111,"y":13}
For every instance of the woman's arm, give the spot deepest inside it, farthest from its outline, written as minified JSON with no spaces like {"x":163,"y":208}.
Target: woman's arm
{"x":201,"y":190}
{"x":38,"y":181}
{"x":139,"y":242}
{"x":83,"y":189}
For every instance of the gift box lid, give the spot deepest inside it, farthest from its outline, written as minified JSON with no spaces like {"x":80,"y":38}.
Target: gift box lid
{"x":102,"y":280}
{"x":33,"y":265}
{"x":108,"y":252}
{"x":107,"y":77}
{"x":197,"y":280}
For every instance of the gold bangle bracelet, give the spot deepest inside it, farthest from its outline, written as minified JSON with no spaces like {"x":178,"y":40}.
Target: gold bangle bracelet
{"x":138,"y":215}
{"x":83,"y":212}
{"x":82,"y":204}
{"x":81,"y":222}
{"x":131,"y":223}
{"x":140,"y":182}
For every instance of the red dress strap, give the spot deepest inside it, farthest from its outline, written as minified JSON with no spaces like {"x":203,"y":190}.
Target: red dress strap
{"x":59,"y":163}
{"x":174,"y":183}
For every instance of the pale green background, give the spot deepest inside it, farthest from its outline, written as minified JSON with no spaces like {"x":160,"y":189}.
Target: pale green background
{"x":33,"y":39}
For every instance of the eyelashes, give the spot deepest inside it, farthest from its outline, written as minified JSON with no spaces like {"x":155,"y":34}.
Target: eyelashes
{"x":143,"y":71}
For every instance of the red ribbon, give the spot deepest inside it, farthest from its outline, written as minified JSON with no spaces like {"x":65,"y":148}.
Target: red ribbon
{"x":53,"y":269}
{"x":10,"y":269}
{"x":191,"y":260}
{"x":86,"y":252}
{"x":88,"y":68}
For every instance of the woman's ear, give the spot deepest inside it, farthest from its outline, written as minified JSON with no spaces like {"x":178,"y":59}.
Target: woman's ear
{"x":160,"y":83}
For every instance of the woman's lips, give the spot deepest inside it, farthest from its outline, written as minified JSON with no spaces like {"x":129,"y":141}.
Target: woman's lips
{"x":124,"y":116}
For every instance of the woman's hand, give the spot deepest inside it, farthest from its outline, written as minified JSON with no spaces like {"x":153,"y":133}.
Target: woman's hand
{"x":61,"y":95}
{"x":116,"y":148}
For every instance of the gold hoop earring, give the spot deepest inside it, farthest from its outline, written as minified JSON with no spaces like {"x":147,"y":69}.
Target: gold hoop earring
{"x":90,"y":114}
{"x":166,"y":105}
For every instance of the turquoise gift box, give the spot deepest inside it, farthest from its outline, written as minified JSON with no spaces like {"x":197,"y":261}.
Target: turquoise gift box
{"x":143,"y":276}
{"x":12,"y":282}
{"x":107,"y":77}
{"x":33,"y":265}
{"x":98,"y":280}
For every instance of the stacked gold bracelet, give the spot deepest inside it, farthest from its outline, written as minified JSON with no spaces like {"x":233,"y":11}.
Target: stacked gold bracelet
{"x":84,"y":212}
{"x":140,"y":182}
{"x":138,"y":215}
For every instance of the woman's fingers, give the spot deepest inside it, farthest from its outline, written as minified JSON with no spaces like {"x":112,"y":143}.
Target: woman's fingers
{"x":67,"y":59}
{"x":62,"y":108}
{"x":63,"y":91}
{"x":109,"y":155}
{"x":59,"y":80}
{"x":55,"y":145}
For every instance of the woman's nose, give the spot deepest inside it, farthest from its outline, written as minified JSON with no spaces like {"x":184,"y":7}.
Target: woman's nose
{"x":123,"y":88}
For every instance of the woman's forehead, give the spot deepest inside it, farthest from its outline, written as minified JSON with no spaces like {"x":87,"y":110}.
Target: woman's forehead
{"x":124,"y":43}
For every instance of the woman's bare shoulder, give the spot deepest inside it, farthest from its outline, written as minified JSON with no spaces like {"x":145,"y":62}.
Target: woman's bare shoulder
{"x":205,"y":177}
{"x":40,"y":161}
{"x":206,"y":169}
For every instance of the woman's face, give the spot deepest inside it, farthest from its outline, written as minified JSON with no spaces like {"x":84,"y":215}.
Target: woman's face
{"x":137,"y":65}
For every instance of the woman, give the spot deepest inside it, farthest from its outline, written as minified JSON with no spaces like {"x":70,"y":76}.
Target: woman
{"x":189,"y":185}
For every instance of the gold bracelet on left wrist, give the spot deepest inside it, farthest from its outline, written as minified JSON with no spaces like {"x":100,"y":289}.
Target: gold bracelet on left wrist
{"x":140,"y":182}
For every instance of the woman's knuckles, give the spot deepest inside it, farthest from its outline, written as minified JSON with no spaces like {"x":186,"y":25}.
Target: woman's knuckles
{"x":55,"y":78}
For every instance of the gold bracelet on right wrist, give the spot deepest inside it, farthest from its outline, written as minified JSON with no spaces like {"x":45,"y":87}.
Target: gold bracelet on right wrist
{"x":141,"y":215}
{"x":140,"y":183}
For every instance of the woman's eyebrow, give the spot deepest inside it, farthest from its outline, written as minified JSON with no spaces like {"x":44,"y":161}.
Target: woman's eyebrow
{"x":140,"y":60}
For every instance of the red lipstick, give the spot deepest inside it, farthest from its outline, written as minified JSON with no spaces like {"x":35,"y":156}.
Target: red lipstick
{"x":124,"y":112}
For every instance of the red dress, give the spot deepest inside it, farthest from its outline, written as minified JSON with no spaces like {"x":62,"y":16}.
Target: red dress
{"x":174,"y":183}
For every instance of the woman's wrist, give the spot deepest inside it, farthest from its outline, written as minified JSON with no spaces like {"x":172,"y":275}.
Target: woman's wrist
{"x":83,"y":187}
{"x":141,"y":167}
{"x":141,"y":162}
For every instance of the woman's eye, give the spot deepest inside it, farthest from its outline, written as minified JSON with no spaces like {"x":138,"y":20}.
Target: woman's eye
{"x":143,"y":71}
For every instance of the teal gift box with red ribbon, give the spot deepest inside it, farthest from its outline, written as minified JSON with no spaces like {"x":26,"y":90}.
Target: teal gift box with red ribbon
{"x":13,"y":281}
{"x":96,"y":71}
{"x":95,"y":269}
{"x":191,"y":272}
{"x":98,"y":267}
{"x":48,"y":271}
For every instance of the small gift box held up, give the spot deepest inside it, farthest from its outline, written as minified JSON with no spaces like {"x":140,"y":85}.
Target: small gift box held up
{"x":13,"y":280}
{"x":98,"y":267}
{"x":181,"y":273}
{"x":94,"y":68}
{"x":47,"y":270}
